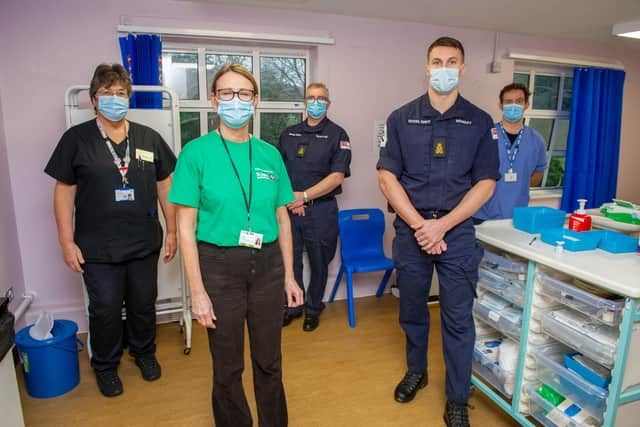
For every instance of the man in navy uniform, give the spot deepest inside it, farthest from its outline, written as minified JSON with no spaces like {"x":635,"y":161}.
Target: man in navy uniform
{"x":317,"y":154}
{"x":438,"y":165}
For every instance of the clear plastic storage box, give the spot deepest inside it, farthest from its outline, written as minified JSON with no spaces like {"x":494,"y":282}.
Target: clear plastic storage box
{"x":551,"y":371}
{"x":601,"y":309}
{"x":593,"y":339}
{"x":510,"y":290}
{"x":549,"y":416}
{"x":507,"y":320}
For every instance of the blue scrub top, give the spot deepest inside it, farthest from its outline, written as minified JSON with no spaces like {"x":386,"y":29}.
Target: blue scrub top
{"x":311,"y":153}
{"x":439,"y":157}
{"x":531,"y":157}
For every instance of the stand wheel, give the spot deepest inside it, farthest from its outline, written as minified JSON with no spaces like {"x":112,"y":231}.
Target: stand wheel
{"x":187,"y":350}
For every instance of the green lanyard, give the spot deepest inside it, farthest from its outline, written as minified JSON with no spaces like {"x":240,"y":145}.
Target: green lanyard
{"x":247,"y":200}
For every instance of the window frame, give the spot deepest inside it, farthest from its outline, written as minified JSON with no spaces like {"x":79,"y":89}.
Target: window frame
{"x":203,"y":104}
{"x":533,"y":70}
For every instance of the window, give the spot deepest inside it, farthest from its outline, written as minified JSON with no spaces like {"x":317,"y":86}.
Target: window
{"x":549,"y":114}
{"x":282,"y":75}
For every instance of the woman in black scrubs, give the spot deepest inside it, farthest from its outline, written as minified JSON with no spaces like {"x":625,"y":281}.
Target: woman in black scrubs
{"x":110,"y":174}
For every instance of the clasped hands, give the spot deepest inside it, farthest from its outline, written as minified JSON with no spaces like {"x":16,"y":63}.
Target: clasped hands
{"x":429,"y":234}
{"x":297,"y":206}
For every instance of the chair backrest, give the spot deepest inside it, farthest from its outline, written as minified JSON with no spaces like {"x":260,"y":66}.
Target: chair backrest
{"x":361,"y":232}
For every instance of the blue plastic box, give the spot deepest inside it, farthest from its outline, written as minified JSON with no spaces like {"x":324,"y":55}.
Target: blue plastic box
{"x":573,"y":240}
{"x":534,"y":219}
{"x":612,"y":241}
{"x":586,"y":373}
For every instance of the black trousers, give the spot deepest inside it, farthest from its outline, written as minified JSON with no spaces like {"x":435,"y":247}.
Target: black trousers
{"x":134,"y":283}
{"x":245,"y":284}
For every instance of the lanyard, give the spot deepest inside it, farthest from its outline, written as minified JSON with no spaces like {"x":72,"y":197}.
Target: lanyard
{"x":247,"y":200}
{"x":122,"y":164}
{"x":512,"y":150}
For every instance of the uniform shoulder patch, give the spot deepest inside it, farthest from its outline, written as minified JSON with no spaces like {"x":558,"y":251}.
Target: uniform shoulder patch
{"x":494,"y":134}
{"x":345,"y":145}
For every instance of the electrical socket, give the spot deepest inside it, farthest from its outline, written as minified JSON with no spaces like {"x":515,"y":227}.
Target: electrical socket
{"x":496,"y":67}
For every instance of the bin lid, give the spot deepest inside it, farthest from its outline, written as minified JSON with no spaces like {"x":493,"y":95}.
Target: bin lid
{"x":62,"y":329}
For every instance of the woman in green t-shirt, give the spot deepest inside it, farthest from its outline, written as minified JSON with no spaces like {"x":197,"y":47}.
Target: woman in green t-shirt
{"x":235,"y":238}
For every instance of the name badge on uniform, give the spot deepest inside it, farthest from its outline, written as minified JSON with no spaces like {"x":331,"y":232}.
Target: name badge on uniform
{"x":511,"y":176}
{"x":125,"y":195}
{"x":250,"y":239}
{"x":440,"y":148}
{"x":301,"y":150}
{"x":144,"y":155}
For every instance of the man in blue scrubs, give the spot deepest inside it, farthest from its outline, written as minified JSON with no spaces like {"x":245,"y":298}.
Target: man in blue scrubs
{"x":438,"y":165}
{"x":317,"y":154}
{"x":523,"y":156}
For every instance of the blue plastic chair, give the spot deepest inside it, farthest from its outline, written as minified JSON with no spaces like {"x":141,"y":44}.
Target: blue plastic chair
{"x":361,"y":251}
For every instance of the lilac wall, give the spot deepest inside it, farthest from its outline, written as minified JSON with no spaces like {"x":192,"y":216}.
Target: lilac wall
{"x":10,"y":264}
{"x":375,"y":66}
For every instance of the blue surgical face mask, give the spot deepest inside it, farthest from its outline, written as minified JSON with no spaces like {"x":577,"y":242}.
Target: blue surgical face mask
{"x":512,"y":112}
{"x":316,"y":109}
{"x":113,"y":108}
{"x":443,"y":79}
{"x":235,"y":113}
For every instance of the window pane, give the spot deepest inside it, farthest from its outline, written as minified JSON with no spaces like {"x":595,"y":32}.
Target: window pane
{"x":213,"y":121}
{"x":544,"y":128}
{"x":521,"y":78}
{"x":566,"y":94}
{"x":272,"y":125}
{"x":180,"y":73}
{"x":215,"y":61}
{"x":546,"y":90}
{"x":282,"y":79}
{"x":561,"y":135}
{"x":556,"y":172}
{"x":189,"y":126}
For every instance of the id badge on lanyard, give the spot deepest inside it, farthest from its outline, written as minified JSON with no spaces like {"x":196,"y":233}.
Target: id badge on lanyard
{"x":125,"y":193}
{"x":247,"y":238}
{"x":512,"y":151}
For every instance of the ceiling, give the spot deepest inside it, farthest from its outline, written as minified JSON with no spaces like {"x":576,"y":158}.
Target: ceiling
{"x":568,"y":19}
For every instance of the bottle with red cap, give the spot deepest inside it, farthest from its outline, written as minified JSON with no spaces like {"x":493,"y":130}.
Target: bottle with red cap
{"x":579,"y":220}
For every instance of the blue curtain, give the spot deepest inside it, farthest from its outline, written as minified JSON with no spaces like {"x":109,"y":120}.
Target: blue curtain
{"x":142,"y":57}
{"x":593,"y":143}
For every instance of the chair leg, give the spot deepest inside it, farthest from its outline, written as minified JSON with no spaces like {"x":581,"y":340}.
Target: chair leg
{"x":352,"y":315}
{"x":337,"y":284}
{"x":383,"y":283}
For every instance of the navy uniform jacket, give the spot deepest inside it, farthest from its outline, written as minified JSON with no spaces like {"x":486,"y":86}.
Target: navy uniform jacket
{"x":439,"y":157}
{"x":312,"y":153}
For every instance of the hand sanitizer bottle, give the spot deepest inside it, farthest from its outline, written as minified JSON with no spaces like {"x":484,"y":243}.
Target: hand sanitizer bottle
{"x":579,"y":220}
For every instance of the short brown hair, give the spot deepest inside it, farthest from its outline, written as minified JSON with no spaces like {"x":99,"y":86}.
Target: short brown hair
{"x":235,"y":68}
{"x":108,"y":74}
{"x":446,"y":42}
{"x":318,"y":85}
{"x":515,"y":86}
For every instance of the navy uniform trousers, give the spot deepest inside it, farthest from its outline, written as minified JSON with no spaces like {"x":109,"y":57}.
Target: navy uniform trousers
{"x":318,"y":232}
{"x":458,"y":274}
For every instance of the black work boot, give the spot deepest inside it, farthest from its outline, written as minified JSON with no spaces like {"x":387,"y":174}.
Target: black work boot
{"x":456,"y":414}
{"x":109,"y":383}
{"x":149,"y":367}
{"x":409,"y":386}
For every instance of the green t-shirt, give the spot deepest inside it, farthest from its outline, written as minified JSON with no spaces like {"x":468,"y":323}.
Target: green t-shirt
{"x":204,"y":179}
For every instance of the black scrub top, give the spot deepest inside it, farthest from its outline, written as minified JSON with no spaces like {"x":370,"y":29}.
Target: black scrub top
{"x":108,"y":231}
{"x":439,"y":157}
{"x":311,"y":153}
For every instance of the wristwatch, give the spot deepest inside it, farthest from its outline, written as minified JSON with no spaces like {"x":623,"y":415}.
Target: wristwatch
{"x":305,"y":197}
